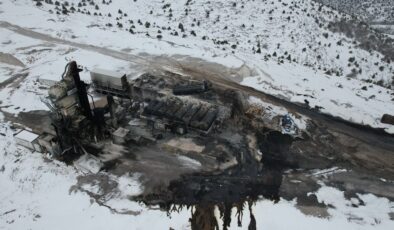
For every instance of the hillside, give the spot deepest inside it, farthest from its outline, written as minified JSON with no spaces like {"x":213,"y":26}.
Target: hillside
{"x":377,"y":13}
{"x":288,"y":55}
{"x":284,"y":32}
{"x":292,"y":49}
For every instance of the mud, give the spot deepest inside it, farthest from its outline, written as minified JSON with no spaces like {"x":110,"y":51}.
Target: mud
{"x":157,"y":167}
{"x":142,"y":62}
{"x":106,"y":190}
{"x":10,"y":60}
{"x":239,"y":187}
{"x":286,"y":161}
{"x":37,"y":120}
{"x":366,"y":154}
{"x":14,"y":80}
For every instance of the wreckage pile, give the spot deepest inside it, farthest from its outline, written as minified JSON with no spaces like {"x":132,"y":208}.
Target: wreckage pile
{"x":113,"y":121}
{"x":193,"y":141}
{"x":84,"y":116}
{"x":195,"y":115}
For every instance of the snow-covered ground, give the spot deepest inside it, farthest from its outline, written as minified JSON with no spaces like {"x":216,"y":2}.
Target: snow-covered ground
{"x":340,"y":97}
{"x":299,"y":58}
{"x":36,"y":193}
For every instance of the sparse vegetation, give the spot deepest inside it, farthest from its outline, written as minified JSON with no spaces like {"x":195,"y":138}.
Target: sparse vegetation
{"x":324,"y":31}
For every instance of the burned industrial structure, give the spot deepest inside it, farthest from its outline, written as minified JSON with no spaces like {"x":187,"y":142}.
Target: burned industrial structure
{"x":115,"y":118}
{"x":85,"y":117}
{"x":110,"y":83}
{"x":74,"y":120}
{"x":196,"y":141}
{"x":152,"y":123}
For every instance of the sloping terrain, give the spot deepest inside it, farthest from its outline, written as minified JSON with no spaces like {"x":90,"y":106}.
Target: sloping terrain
{"x":285,"y":31}
{"x":290,"y":49}
{"x":284,"y":48}
{"x":377,"y":13}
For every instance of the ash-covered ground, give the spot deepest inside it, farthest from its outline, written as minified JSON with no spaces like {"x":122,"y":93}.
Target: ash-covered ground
{"x":334,"y":172}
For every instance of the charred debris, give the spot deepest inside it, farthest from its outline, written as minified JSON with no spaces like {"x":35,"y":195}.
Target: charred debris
{"x":196,"y":143}
{"x":83,"y":116}
{"x":144,"y":110}
{"x":100,"y":125}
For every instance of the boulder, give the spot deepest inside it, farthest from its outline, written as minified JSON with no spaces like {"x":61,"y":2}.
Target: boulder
{"x":387,"y":119}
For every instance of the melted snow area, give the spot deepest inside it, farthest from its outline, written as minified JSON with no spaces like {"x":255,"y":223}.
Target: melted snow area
{"x":37,"y":193}
{"x":285,"y":43}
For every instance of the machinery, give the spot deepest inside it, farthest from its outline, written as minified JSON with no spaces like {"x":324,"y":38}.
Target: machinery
{"x":109,"y":82}
{"x":73,"y":118}
{"x":192,"y":87}
{"x":111,"y":111}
